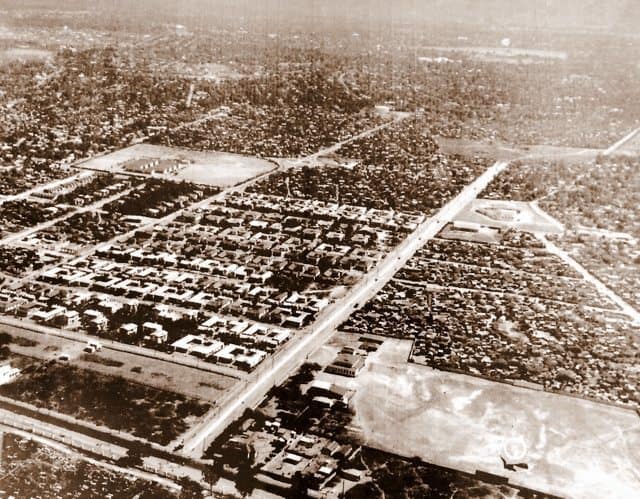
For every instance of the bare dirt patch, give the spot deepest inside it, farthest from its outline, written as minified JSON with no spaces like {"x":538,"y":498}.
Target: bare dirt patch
{"x":153,"y":372}
{"x":20,"y":54}
{"x":211,"y":168}
{"x":573,"y":448}
{"x":507,"y":215}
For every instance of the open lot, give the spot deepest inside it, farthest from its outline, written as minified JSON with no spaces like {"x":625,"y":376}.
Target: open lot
{"x":149,"y":371}
{"x":508,"y":215}
{"x":149,"y":413}
{"x":20,"y":54}
{"x":501,"y":53}
{"x":224,"y":169}
{"x":632,"y":147}
{"x":506,"y":151}
{"x":211,"y":168}
{"x":572,"y":447}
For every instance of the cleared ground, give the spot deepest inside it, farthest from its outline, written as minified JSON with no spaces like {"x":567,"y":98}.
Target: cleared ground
{"x":206,"y":70}
{"x":504,"y":151}
{"x":156,"y":415}
{"x":572,"y":447}
{"x":212,"y":168}
{"x":24,"y":55}
{"x":501,"y":53}
{"x":508,"y":214}
{"x":149,"y":371}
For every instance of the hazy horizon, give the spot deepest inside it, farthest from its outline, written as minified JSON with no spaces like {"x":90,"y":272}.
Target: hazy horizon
{"x":615,"y":15}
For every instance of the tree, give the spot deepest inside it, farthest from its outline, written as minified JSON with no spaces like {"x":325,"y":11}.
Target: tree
{"x":190,"y":488}
{"x":5,"y":351}
{"x":300,"y":484}
{"x":211,"y":474}
{"x":132,"y":459}
{"x":245,"y":481}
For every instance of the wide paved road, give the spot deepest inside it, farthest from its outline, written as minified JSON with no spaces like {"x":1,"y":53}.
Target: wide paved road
{"x":332,"y":316}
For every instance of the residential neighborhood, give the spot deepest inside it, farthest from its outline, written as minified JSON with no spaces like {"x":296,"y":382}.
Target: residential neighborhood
{"x":319,"y":249}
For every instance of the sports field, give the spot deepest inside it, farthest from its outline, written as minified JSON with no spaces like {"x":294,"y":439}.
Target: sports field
{"x":572,"y":447}
{"x":218,"y":169}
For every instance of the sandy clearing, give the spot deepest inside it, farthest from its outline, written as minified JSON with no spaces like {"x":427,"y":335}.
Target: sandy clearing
{"x":574,"y":448}
{"x":213,"y":168}
{"x":225,"y":170}
{"x":22,"y":54}
{"x":508,"y":214}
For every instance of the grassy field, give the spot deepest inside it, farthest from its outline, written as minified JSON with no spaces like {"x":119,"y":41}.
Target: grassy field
{"x":572,"y":447}
{"x":146,"y":412}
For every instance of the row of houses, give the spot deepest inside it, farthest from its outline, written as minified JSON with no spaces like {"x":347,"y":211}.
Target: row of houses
{"x":188,"y":289}
{"x":322,"y":210}
{"x":217,"y":338}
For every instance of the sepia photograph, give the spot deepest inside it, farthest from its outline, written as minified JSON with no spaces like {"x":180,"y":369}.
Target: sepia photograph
{"x":341,"y":249}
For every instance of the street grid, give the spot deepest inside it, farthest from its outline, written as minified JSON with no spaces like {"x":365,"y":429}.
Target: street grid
{"x":254,"y":387}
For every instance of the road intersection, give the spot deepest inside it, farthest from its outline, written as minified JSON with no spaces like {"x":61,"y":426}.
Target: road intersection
{"x":253,"y":389}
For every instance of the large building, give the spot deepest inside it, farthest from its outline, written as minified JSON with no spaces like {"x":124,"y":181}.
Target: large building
{"x":346,"y":365}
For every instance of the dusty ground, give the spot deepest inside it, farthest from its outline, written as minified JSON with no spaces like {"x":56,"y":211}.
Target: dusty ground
{"x":488,"y":53}
{"x":224,"y":169}
{"x":500,"y":151}
{"x":573,"y":448}
{"x":153,"y":372}
{"x":508,"y":214}
{"x":212,"y":168}
{"x":24,"y":55}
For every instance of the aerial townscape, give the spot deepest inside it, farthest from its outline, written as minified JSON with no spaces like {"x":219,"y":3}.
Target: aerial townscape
{"x":294,"y":249}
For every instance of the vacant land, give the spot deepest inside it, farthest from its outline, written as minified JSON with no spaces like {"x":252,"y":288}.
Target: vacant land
{"x":210,"y":168}
{"x":153,"y":414}
{"x":497,"y":53}
{"x":508,"y":215}
{"x":632,"y":147}
{"x":572,"y":447}
{"x":160,"y":374}
{"x":224,"y":169}
{"x":24,"y":55}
